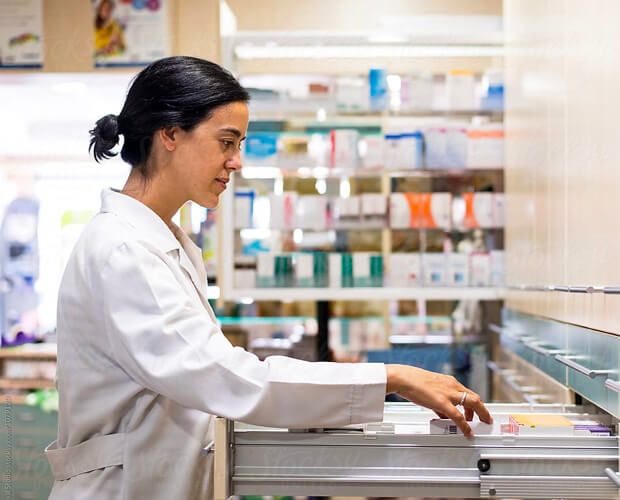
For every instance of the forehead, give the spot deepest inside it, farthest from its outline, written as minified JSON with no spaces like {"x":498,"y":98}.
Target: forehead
{"x":233,"y":115}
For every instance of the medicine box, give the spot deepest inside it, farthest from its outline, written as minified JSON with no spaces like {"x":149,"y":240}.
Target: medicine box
{"x":405,"y":269}
{"x":480,"y":269}
{"x":434,"y":266}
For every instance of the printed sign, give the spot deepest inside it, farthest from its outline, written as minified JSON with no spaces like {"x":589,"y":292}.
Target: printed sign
{"x":21,"y":33}
{"x":130,"y":32}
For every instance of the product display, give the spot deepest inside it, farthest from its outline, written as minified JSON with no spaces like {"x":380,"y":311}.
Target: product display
{"x":420,"y":145}
{"x":366,"y":269}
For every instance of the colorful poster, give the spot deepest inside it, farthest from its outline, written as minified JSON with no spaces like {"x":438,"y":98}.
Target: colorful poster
{"x":21,"y":33}
{"x":129,"y":32}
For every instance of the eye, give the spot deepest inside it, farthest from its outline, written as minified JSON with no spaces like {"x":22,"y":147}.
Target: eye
{"x":228,"y":144}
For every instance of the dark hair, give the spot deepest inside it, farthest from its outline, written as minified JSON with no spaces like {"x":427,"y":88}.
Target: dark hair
{"x":175,"y":91}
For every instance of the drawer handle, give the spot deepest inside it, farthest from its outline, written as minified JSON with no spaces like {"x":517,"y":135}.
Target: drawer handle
{"x":542,"y":350}
{"x":209,"y":448}
{"x":613,"y":475}
{"x":612,"y":385}
{"x":588,"y":372}
{"x":611,"y":290}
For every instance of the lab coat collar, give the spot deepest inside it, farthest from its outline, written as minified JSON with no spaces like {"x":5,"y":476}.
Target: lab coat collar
{"x":141,"y":217}
{"x":167,"y":239}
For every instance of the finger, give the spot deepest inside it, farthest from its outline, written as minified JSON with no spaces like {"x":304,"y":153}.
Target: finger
{"x":469,"y":414}
{"x":440,"y":415}
{"x":474,"y":403}
{"x":459,"y":419}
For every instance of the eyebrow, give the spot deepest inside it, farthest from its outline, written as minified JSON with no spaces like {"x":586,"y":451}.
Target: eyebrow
{"x":231,"y":130}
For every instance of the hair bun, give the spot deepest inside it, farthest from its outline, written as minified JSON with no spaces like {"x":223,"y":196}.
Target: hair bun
{"x":104,"y":137}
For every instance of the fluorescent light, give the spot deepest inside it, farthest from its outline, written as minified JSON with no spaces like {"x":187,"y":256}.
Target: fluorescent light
{"x":364,"y":51}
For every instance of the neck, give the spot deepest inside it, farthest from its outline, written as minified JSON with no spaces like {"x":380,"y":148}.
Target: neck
{"x":156,"y":193}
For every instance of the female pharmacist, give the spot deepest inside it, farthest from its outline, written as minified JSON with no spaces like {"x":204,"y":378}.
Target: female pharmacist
{"x":142,"y":363}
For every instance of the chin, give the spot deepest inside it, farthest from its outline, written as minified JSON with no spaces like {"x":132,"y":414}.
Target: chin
{"x":209,"y":201}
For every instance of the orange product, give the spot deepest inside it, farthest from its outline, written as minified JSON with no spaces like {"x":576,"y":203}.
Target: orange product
{"x":436,"y":210}
{"x":478,"y":210}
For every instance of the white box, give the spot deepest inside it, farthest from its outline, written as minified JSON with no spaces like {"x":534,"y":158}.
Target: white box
{"x":244,"y":278}
{"x":434,"y":267}
{"x":400,"y":213}
{"x":391,"y":151}
{"x":283,"y":210}
{"x":461,"y":90}
{"x":345,"y":211}
{"x":265,"y":269}
{"x":440,"y":211}
{"x":485,"y":147}
{"x":479,"y":210}
{"x":480,"y":269}
{"x":371,"y":151}
{"x":458,"y":264}
{"x":456,"y":147}
{"x":311,"y":212}
{"x":361,"y":269}
{"x":405,"y":269}
{"x":335,"y":270}
{"x":447,"y":426}
{"x":344,"y":151}
{"x":243,"y":207}
{"x":436,"y":140}
{"x":304,"y":269}
{"x":352,"y":94}
{"x":499,"y":210}
{"x":373,"y":206}
{"x":497,"y":268}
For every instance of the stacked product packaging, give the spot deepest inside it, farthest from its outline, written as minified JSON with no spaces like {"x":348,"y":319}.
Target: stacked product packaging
{"x":367,"y":269}
{"x":399,"y":211}
{"x":449,"y":145}
{"x":445,"y":211}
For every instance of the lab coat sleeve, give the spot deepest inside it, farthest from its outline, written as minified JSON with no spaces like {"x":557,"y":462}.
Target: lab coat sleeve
{"x":168,"y":344}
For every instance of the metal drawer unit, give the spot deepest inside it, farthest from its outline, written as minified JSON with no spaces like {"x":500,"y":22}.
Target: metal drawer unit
{"x":587,"y":361}
{"x":400,"y":458}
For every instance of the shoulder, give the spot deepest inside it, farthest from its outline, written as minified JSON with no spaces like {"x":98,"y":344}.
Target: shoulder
{"x":108,"y":234}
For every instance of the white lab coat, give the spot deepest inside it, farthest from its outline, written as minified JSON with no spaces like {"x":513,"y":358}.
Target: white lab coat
{"x":143,"y":366}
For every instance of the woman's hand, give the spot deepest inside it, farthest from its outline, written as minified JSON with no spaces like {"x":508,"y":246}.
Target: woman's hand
{"x":440,"y":393}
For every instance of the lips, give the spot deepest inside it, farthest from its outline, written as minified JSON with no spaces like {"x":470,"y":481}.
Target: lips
{"x":222,"y":182}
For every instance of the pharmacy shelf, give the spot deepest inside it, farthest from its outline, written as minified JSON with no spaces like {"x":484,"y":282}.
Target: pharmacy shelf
{"x":24,"y":353}
{"x":332,"y":116}
{"x":366,"y":294}
{"x":26,"y":383}
{"x":322,"y":172}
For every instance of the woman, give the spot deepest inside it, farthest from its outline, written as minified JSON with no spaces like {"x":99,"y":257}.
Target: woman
{"x":109,"y":37}
{"x":142,"y":363}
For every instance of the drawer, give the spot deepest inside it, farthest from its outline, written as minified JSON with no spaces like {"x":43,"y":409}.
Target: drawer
{"x":592,"y":359}
{"x":585,"y":360}
{"x":400,"y":458}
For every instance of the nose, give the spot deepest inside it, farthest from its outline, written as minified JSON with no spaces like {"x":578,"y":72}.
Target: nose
{"x":234,"y":163}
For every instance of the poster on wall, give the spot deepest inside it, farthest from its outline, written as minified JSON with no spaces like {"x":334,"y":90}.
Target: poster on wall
{"x":21,"y":33}
{"x":129,"y":32}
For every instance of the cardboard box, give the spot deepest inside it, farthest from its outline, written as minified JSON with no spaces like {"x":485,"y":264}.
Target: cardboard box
{"x":458,"y":265}
{"x":435,"y":269}
{"x":405,"y":269}
{"x":480,"y":269}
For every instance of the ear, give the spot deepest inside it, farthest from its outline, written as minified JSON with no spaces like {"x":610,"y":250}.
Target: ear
{"x":169,"y":137}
